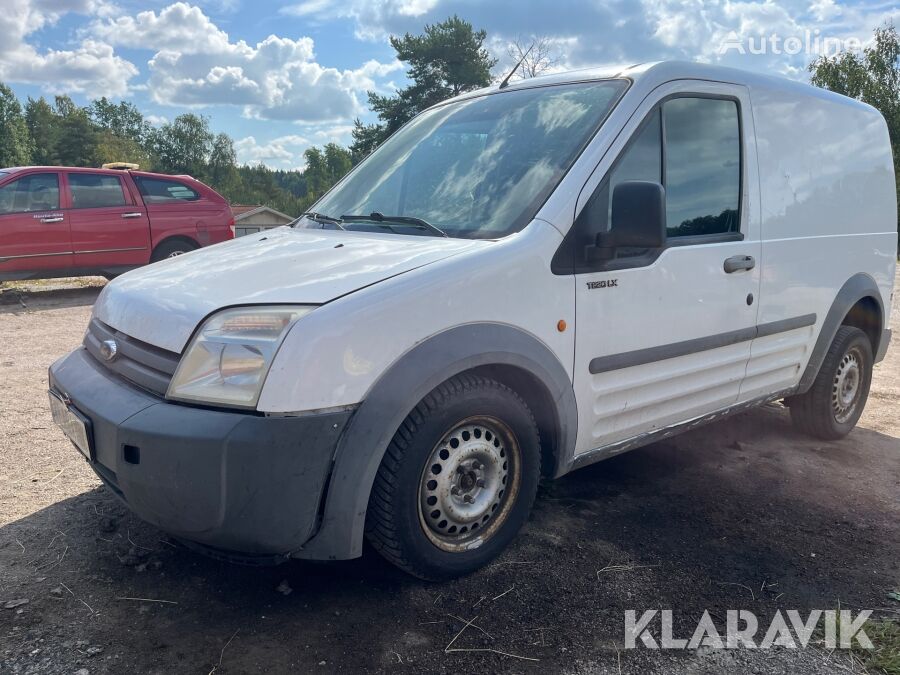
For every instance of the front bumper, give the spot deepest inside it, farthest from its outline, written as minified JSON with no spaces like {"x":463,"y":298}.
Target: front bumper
{"x":238,"y":483}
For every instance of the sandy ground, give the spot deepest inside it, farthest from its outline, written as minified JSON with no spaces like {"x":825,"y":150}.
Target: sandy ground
{"x":742,"y":514}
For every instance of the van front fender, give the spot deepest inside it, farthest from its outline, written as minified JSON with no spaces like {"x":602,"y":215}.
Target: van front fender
{"x":399,"y":390}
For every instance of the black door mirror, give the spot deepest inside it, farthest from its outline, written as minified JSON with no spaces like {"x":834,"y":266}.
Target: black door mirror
{"x":638,"y":219}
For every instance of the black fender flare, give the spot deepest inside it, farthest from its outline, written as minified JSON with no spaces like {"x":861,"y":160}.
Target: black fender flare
{"x":856,"y":288}
{"x":429,"y":363}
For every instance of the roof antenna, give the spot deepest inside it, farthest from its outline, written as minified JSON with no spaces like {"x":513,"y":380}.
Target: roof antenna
{"x":515,"y":68}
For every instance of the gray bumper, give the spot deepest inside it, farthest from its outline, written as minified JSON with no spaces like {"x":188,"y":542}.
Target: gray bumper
{"x":239,"y":483}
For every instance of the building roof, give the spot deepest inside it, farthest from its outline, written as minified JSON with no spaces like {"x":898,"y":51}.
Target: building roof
{"x":242,"y":211}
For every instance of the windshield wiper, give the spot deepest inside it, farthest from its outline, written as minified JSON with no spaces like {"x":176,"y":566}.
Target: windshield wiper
{"x":322,"y":218}
{"x":377,"y":217}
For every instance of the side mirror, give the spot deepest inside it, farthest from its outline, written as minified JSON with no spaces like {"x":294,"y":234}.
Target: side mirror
{"x":638,"y":219}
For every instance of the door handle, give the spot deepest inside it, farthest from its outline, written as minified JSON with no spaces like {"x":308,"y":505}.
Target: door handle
{"x":53,"y":219}
{"x":136,"y":214}
{"x":737,"y":263}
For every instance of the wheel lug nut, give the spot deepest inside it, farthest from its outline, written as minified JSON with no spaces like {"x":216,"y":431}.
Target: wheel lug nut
{"x":468,"y":499}
{"x":480,"y":482}
{"x":454,"y":490}
{"x":476,"y":465}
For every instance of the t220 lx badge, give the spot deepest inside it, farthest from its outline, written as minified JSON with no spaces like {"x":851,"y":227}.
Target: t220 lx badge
{"x":606,"y":283}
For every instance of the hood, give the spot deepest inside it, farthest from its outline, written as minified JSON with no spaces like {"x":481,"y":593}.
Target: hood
{"x":163,"y":303}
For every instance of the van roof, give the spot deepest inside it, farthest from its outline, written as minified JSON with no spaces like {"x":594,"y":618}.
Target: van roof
{"x":659,"y":72}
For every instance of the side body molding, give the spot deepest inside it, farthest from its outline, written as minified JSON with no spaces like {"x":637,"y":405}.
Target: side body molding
{"x":856,"y":288}
{"x":398,"y":391}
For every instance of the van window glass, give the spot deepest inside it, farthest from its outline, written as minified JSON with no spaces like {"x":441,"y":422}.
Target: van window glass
{"x":703,"y":166}
{"x":94,"y":190}
{"x":642,"y":160}
{"x":34,"y":192}
{"x":161,"y":191}
{"x":479,"y":168}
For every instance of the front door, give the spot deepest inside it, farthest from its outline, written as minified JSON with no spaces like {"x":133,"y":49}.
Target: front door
{"x":663,"y":336}
{"x":108,"y":228}
{"x":34,"y":230}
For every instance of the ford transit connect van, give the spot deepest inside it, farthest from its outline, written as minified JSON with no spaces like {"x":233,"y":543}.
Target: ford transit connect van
{"x":520,"y":282}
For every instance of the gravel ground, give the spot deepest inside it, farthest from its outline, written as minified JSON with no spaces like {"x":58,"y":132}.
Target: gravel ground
{"x":742,"y":514}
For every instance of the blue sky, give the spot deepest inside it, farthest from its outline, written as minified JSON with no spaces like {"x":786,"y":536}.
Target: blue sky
{"x":279,"y":77}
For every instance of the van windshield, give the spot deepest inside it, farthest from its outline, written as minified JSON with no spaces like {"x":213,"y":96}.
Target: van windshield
{"x":477,"y":169}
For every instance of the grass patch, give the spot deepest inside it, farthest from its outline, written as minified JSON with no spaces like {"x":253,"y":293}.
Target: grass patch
{"x":885,"y":658}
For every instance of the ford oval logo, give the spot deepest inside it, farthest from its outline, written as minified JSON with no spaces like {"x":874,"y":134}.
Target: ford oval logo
{"x":109,"y":350}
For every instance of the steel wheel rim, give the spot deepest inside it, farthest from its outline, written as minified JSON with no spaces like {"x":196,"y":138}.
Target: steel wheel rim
{"x":846,"y":388}
{"x":175,"y":254}
{"x":469,"y":484}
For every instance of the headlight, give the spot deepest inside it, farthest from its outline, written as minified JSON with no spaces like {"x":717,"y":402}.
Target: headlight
{"x":228,"y":359}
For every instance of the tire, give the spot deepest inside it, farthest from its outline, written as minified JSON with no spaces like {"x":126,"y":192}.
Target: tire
{"x":834,"y":403}
{"x":171,"y":249}
{"x":434,"y":521}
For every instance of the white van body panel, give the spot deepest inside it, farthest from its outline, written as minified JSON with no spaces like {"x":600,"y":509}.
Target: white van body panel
{"x":828,"y":213}
{"x":162,"y":304}
{"x":345,"y":346}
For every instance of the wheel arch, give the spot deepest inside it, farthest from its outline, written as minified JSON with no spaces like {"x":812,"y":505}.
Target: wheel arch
{"x":858,"y":303}
{"x":502,"y":352}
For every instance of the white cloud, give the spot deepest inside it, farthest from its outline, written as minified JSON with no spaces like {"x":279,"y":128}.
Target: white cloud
{"x":179,"y":27}
{"x":624,"y":31}
{"x":197,"y":64}
{"x":92,"y":67}
{"x":281,"y":151}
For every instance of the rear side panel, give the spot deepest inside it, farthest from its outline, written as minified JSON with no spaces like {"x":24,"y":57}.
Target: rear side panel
{"x":828,"y":213}
{"x":204,"y":220}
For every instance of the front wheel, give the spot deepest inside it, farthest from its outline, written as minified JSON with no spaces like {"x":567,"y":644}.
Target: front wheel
{"x":834,"y":403}
{"x":457,"y":481}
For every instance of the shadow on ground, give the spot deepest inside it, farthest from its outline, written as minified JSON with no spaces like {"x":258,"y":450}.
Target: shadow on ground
{"x":742,"y":514}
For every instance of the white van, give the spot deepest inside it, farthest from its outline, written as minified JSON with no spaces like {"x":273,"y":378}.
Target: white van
{"x":519,"y":282}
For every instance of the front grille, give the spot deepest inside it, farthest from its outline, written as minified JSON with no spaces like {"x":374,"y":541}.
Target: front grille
{"x":148,"y":367}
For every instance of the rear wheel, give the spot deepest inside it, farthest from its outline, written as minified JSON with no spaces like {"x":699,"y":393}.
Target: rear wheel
{"x":834,"y":403}
{"x":457,"y":481}
{"x":172,"y":249}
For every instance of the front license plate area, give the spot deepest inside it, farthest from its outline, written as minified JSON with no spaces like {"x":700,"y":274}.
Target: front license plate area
{"x":73,"y":424}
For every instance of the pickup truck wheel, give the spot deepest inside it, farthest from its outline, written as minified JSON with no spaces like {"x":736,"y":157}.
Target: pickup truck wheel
{"x":834,"y":403}
{"x":457,"y":481}
{"x":171,"y":249}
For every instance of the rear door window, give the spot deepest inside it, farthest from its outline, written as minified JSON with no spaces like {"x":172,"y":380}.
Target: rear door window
{"x":34,"y":192}
{"x":163,"y":191}
{"x":94,"y":190}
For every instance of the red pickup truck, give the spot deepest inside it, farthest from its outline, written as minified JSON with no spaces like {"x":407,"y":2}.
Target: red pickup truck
{"x":60,"y":221}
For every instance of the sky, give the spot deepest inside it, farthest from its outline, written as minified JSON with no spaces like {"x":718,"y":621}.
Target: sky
{"x":279,"y":77}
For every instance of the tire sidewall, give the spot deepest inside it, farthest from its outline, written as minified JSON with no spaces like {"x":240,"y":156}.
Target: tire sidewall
{"x":167,"y":248}
{"x":436,"y":563}
{"x":858,"y":340}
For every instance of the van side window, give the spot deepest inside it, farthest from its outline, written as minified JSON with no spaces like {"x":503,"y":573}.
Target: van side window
{"x":161,"y":191}
{"x":641,"y":160}
{"x":94,"y":190}
{"x":34,"y":192}
{"x":702,"y":166}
